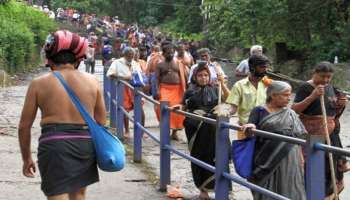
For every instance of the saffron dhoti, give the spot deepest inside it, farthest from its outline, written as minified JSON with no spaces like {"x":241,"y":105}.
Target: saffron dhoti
{"x":173,"y":94}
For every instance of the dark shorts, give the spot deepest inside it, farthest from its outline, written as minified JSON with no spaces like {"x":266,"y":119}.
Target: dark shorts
{"x":66,"y":159}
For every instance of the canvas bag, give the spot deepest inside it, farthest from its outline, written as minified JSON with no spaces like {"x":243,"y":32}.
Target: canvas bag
{"x":243,"y":156}
{"x":110,"y":152}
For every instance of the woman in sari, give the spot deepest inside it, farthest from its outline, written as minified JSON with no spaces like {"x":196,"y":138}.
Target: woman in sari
{"x":277,"y":165}
{"x":200,"y":99}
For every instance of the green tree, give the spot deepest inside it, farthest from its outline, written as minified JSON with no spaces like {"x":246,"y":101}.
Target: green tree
{"x":23,"y":32}
{"x":318,"y":29}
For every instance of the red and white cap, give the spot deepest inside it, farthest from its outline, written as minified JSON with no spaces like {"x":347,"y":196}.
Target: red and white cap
{"x":65,"y":40}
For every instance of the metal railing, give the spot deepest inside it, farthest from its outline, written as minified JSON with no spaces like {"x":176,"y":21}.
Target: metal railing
{"x":314,"y":145}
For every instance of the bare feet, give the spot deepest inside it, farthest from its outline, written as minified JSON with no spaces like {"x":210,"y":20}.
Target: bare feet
{"x":174,"y":136}
{"x":144,"y":135}
{"x":127,"y":137}
{"x":344,"y":166}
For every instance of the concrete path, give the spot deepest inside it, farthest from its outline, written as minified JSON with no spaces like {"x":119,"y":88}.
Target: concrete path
{"x":136,"y":181}
{"x":130,"y":183}
{"x":180,"y":167}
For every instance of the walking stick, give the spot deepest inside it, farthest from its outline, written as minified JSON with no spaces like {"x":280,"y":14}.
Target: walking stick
{"x":328,"y":141}
{"x":220,"y":93}
{"x":4,"y":80}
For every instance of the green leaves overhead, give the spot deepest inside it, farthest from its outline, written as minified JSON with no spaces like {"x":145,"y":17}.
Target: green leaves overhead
{"x":318,"y":29}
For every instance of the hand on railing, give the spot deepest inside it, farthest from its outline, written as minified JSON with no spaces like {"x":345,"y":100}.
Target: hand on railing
{"x":156,"y":97}
{"x":246,"y":129}
{"x":176,"y":107}
{"x":223,"y":109}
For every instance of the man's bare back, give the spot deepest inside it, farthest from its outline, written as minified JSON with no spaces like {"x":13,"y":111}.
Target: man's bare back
{"x":56,"y":105}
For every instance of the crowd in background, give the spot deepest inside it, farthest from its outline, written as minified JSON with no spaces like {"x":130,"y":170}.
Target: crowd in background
{"x":185,"y":75}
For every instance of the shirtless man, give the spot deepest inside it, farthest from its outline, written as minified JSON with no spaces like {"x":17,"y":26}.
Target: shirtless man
{"x":183,"y":56}
{"x":65,"y":142}
{"x":171,"y":76}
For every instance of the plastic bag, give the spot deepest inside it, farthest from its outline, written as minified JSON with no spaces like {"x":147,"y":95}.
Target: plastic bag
{"x":139,"y":79}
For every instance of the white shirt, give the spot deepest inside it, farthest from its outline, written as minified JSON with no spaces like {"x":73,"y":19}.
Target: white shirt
{"x":243,"y":67}
{"x":75,"y":16}
{"x":214,"y":69}
{"x":120,"y":68}
{"x":52,"y":15}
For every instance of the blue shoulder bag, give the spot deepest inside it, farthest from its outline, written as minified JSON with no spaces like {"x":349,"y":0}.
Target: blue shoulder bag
{"x":243,"y":156}
{"x":110,"y":152}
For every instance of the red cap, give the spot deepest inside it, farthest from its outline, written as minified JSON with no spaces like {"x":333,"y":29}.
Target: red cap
{"x":65,"y":40}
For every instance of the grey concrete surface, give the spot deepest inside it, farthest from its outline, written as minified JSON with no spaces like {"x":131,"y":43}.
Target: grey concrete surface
{"x":180,"y":167}
{"x":130,"y":183}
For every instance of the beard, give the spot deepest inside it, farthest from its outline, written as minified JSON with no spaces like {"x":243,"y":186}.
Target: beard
{"x":259,"y":74}
{"x":169,"y":58}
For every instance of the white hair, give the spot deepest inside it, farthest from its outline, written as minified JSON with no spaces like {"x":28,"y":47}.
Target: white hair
{"x":255,"y":48}
{"x":128,"y":50}
{"x":277,"y":87}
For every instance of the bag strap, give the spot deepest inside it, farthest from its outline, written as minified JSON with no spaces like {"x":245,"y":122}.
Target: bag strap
{"x":88,"y":119}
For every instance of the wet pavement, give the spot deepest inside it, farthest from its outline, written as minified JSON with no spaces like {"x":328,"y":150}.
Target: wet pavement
{"x":136,"y":181}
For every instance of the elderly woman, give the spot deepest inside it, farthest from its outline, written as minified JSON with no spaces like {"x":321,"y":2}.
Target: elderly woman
{"x":307,"y":103}
{"x":277,"y":166}
{"x":201,"y":99}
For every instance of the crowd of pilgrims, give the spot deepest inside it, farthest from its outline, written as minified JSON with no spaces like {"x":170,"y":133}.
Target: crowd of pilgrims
{"x":194,"y":84}
{"x":184,"y":74}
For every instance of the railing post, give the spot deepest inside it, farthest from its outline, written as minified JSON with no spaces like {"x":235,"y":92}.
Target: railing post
{"x":315,"y":169}
{"x":164,"y":140}
{"x":106,"y":88}
{"x":120,"y":114}
{"x":222,"y":185}
{"x":137,"y":130}
{"x":112,"y":113}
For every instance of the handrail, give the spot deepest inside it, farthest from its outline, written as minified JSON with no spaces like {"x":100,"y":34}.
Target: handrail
{"x":269,"y":134}
{"x":148,"y":98}
{"x":114,"y":101}
{"x":227,"y":175}
{"x":127,"y":114}
{"x":252,"y":186}
{"x":193,"y":116}
{"x":140,"y":92}
{"x":148,"y":132}
{"x":332,"y":149}
{"x":190,"y":158}
{"x":314,"y":146}
{"x":127,"y":84}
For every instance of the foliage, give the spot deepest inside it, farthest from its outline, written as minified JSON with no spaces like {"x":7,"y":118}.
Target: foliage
{"x":23,"y":32}
{"x":318,"y":29}
{"x":4,"y":1}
